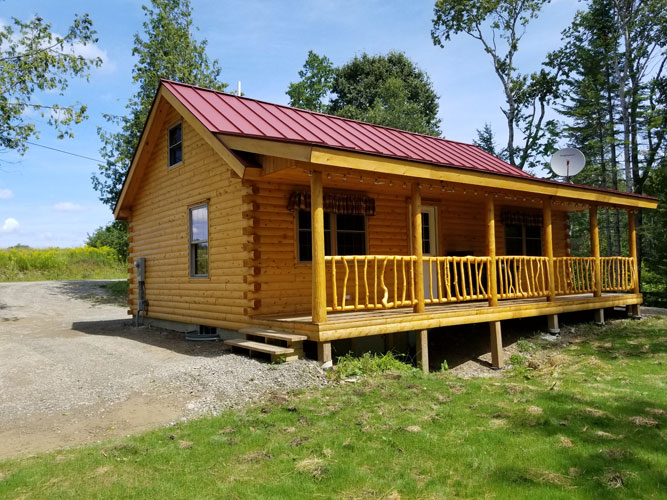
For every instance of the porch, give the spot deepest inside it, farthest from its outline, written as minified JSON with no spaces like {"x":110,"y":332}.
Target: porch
{"x":378,"y":322}
{"x":362,"y":295}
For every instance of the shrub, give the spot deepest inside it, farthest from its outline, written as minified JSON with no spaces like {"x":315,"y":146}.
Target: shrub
{"x":114,"y":236}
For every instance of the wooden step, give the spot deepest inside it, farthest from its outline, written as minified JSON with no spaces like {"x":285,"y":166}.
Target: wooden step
{"x":272,"y":334}
{"x":277,"y":352}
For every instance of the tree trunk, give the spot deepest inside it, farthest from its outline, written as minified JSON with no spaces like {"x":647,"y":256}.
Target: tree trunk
{"x":614,"y":163}
{"x":622,"y":78}
{"x":603,"y":171}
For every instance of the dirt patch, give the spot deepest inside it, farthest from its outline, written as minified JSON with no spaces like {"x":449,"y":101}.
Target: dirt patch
{"x":74,"y":369}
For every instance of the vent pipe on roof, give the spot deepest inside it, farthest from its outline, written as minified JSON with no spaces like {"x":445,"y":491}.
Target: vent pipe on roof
{"x":239,"y":90}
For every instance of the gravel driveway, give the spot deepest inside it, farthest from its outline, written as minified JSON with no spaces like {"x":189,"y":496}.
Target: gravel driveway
{"x":73,"y":369}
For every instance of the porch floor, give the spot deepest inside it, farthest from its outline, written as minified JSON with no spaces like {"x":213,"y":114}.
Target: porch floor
{"x":373,"y":322}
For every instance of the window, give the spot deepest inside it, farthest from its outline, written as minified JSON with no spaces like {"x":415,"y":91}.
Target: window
{"x":199,"y":241}
{"x":175,"y":137}
{"x":344,"y":233}
{"x":521,"y":239}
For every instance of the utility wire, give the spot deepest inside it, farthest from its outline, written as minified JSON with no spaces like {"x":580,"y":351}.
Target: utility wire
{"x":65,"y":152}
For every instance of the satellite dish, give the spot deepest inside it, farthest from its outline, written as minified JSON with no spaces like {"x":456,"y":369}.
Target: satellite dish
{"x":567,"y":162}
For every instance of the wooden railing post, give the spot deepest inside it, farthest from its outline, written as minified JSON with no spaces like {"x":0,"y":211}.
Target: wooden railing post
{"x":595,"y":249}
{"x":319,"y":306}
{"x":416,"y":203}
{"x":491,"y":250}
{"x":549,"y":247}
{"x":632,"y":249}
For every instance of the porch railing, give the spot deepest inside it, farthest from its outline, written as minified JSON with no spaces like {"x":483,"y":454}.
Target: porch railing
{"x":522,"y":277}
{"x":618,"y":274}
{"x":574,"y":275}
{"x":362,"y":282}
{"x":455,"y":279}
{"x":359,"y":282}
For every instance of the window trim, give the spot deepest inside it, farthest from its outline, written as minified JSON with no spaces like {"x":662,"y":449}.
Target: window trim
{"x":334,"y":234}
{"x":169,"y":145}
{"x":191,"y":242}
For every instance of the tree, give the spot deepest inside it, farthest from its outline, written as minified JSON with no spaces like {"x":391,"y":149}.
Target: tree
{"x":317,"y":78}
{"x":113,"y":235}
{"x":591,"y":45}
{"x":642,"y":27}
{"x":499,"y":25}
{"x":166,"y":50}
{"x":487,"y":142}
{"x":387,"y":90}
{"x":35,"y":59}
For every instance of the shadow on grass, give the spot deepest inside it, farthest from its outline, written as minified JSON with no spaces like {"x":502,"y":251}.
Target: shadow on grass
{"x":606,"y":424}
{"x":163,"y":339}
{"x":460,"y":344}
{"x":605,"y":451}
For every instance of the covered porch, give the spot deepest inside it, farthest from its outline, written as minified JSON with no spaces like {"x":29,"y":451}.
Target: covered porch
{"x":361,"y":295}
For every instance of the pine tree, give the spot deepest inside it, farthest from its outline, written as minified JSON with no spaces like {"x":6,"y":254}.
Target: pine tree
{"x":166,"y":49}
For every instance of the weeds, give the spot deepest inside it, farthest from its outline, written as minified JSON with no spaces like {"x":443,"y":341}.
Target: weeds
{"x":520,"y":367}
{"x":370,"y":364}
{"x":28,"y":264}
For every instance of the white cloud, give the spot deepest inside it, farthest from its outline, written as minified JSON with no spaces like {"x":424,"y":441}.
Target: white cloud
{"x":5,"y":194}
{"x":92,"y":51}
{"x":11,"y":225}
{"x":68,"y":206}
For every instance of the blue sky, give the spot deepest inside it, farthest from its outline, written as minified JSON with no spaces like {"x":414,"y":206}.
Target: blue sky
{"x":47,"y":199}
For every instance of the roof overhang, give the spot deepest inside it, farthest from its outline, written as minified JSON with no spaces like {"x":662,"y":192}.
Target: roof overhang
{"x":331,"y":157}
{"x":544,"y":187}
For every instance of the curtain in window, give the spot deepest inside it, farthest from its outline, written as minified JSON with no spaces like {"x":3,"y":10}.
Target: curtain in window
{"x":521,"y":216}
{"x":334,"y":203}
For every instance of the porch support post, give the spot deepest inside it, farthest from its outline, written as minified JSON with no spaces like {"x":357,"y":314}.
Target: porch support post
{"x":549,"y":247}
{"x":491,"y":250}
{"x":595,"y":253}
{"x":552,"y":319}
{"x":494,"y":326}
{"x":319,"y":306}
{"x":416,"y":203}
{"x":422,"y":350}
{"x":497,"y":360}
{"x":324,"y":352}
{"x":595,"y":248}
{"x":632,"y":252}
{"x":552,"y":324}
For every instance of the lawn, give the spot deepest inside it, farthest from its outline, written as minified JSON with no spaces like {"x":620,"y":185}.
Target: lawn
{"x":582,"y":420}
{"x":40,"y":264}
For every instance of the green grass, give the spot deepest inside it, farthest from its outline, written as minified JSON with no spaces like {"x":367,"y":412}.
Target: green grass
{"x":118,"y":291}
{"x":28,"y":264}
{"x":583,"y":421}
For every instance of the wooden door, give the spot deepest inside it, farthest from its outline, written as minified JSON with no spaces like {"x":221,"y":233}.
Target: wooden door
{"x":430,"y":249}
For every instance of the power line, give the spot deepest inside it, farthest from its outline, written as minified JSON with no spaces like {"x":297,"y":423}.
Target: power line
{"x":65,"y":152}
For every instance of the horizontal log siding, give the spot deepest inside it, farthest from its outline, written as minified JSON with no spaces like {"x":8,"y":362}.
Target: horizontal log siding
{"x":284,"y":285}
{"x":159,"y":228}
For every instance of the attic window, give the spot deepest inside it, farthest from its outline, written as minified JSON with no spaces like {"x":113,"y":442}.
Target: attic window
{"x":175,"y":145}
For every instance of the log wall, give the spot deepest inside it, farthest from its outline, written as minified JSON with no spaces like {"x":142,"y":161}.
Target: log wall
{"x":159,"y":232}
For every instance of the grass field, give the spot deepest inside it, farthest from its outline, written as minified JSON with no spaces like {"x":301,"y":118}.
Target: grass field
{"x":29,"y":264}
{"x":583,"y":420}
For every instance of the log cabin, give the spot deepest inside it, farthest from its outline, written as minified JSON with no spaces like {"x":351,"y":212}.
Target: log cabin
{"x":286,"y":225}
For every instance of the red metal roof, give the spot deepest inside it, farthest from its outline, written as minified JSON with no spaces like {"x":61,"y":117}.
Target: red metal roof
{"x":229,"y":114}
